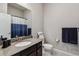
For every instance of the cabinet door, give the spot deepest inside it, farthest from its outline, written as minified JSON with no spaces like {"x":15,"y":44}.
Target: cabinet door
{"x":29,"y":51}
{"x":38,"y":45}
{"x":39,"y":52}
{"x":5,"y":25}
{"x":39,"y":49}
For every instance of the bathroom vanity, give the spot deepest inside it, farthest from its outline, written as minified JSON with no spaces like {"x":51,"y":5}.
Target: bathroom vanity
{"x":33,"y":49}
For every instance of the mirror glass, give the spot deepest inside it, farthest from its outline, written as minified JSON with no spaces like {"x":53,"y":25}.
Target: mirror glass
{"x":16,"y":22}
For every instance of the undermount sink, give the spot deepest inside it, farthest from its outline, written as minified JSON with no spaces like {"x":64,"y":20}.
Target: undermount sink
{"x":21,"y":44}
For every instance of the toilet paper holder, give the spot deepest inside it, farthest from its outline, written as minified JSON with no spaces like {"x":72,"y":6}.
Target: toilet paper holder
{"x":57,"y":40}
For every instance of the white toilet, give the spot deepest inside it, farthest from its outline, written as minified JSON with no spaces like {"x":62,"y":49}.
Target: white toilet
{"x":47,"y":48}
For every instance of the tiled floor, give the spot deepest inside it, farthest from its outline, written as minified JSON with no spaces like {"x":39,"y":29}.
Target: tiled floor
{"x":57,"y":53}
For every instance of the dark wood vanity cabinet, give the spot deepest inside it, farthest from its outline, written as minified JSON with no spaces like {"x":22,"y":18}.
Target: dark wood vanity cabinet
{"x":35,"y":50}
{"x":39,"y":49}
{"x":39,"y":52}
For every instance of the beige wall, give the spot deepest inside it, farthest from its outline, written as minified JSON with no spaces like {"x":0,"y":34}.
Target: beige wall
{"x":57,"y":16}
{"x":15,"y":11}
{"x":3,"y":7}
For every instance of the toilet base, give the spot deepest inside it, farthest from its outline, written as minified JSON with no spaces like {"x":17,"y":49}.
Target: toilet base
{"x":47,"y":53}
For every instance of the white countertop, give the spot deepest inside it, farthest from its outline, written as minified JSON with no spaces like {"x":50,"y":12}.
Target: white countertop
{"x":13,"y":49}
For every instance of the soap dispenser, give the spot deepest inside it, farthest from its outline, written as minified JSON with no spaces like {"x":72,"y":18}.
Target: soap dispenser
{"x":5,"y":42}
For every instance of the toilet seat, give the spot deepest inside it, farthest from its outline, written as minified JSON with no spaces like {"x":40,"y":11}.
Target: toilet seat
{"x":47,"y":46}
